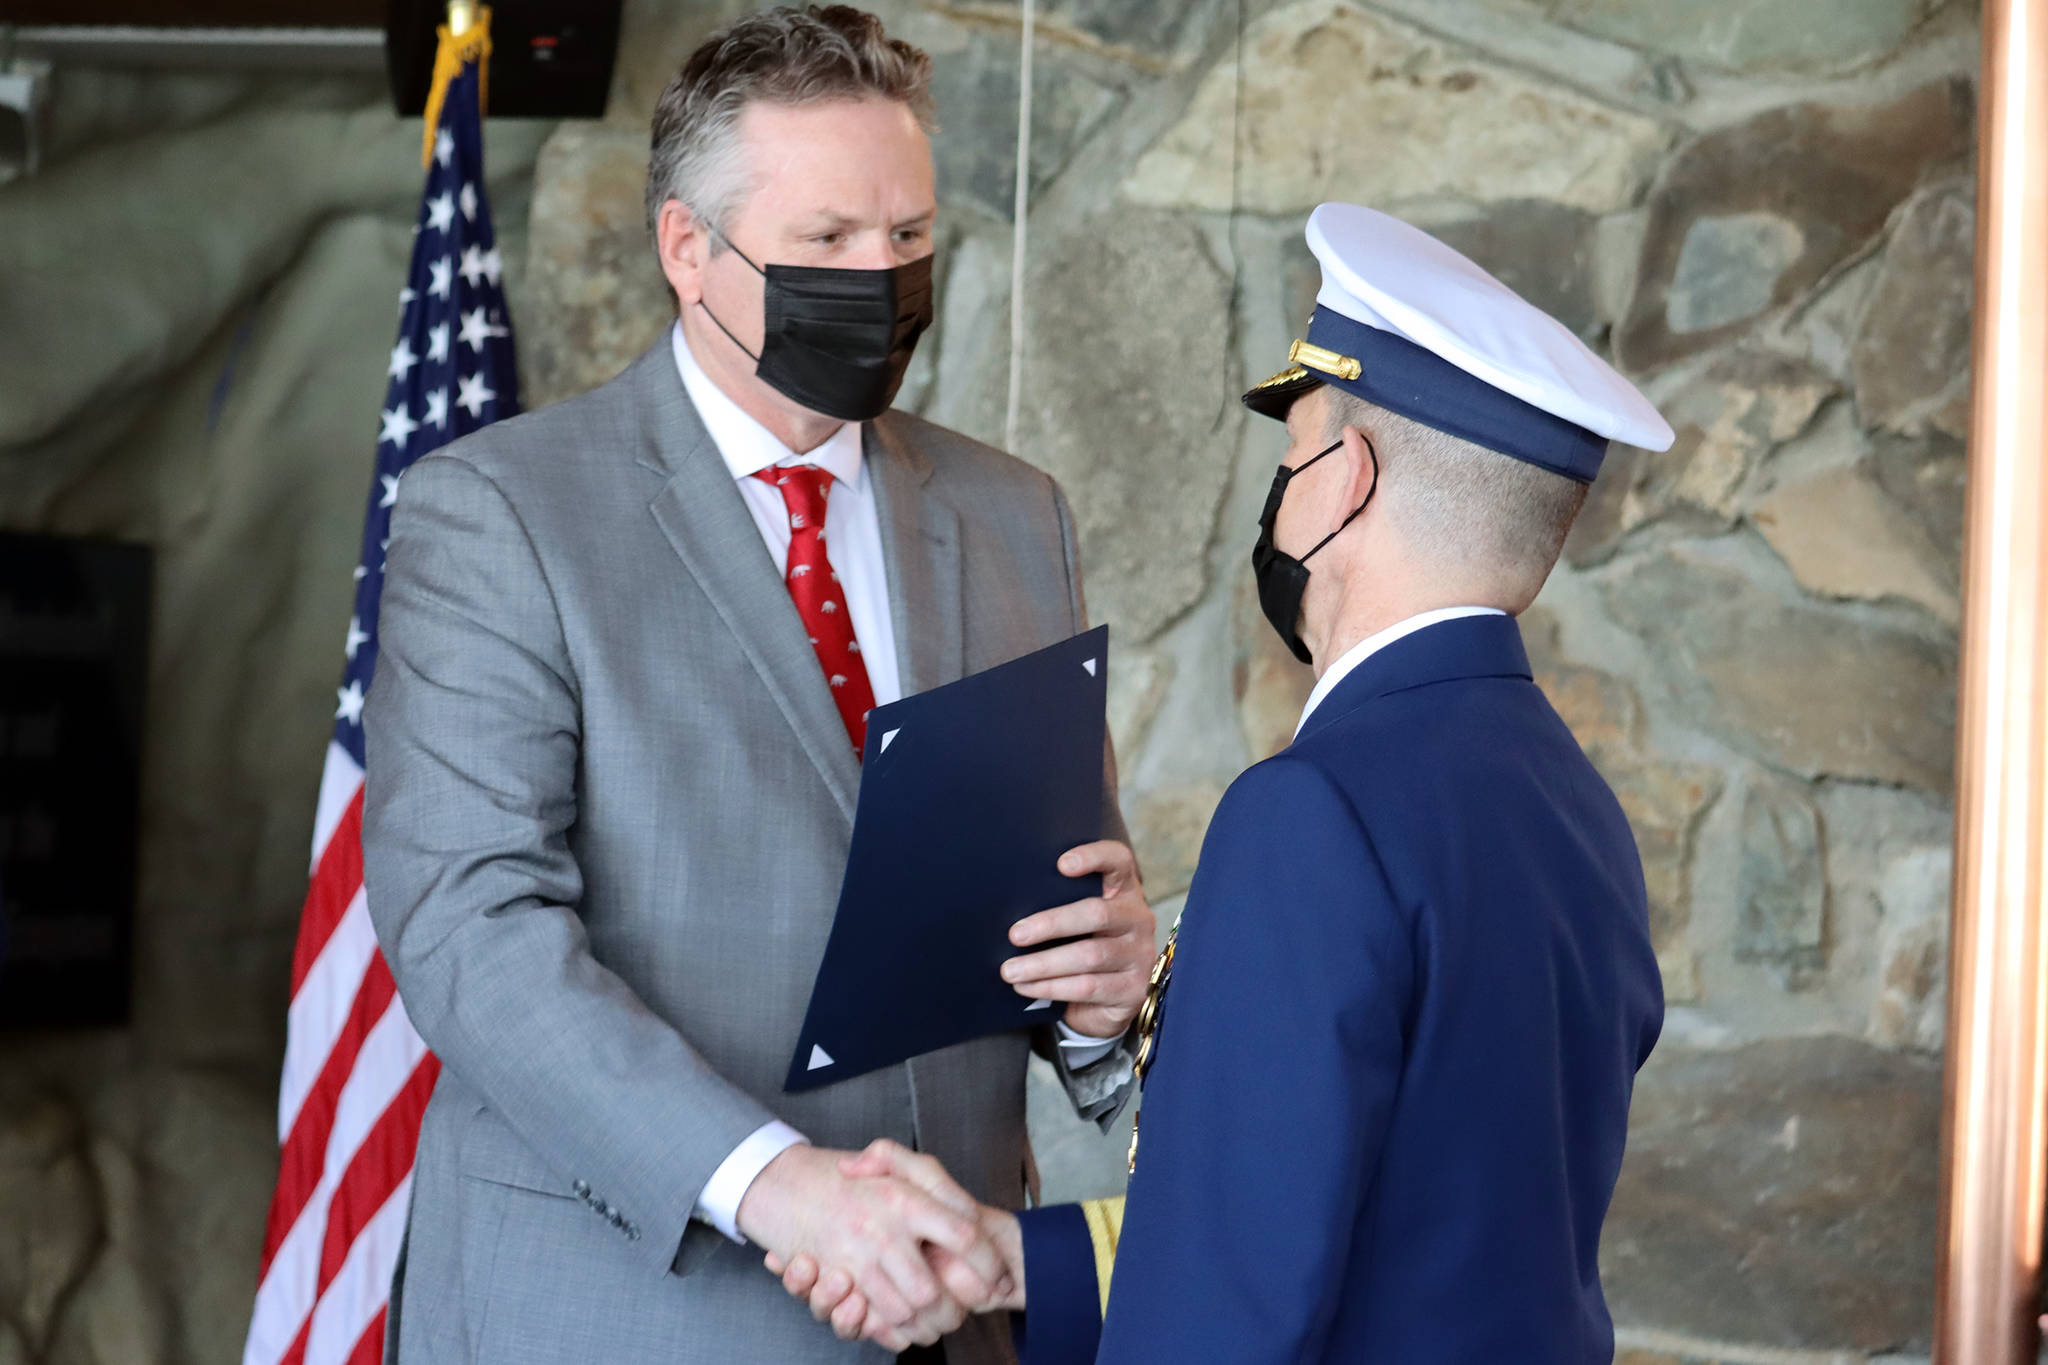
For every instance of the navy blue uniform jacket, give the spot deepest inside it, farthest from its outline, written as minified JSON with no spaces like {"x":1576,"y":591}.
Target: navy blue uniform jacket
{"x":1414,"y":985}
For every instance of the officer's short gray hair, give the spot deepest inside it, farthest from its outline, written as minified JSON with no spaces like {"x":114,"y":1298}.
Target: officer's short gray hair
{"x":1462,"y":503}
{"x":785,"y":55}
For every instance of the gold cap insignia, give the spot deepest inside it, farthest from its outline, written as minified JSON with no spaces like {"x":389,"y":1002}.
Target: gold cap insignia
{"x":1329,"y":362}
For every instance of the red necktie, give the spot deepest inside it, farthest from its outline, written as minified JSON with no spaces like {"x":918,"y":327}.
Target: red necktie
{"x":819,"y":600}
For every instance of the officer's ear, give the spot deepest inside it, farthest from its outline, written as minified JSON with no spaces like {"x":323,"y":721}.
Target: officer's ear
{"x":1361,"y":461}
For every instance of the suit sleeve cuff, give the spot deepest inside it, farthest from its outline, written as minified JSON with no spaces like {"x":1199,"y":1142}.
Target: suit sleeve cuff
{"x":1083,"y":1050}
{"x":719,"y":1202}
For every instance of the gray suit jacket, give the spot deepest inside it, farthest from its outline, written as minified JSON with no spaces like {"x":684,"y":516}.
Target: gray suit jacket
{"x":608,"y":808}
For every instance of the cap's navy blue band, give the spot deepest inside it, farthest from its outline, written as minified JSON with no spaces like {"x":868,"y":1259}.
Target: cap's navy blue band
{"x":1416,"y":382}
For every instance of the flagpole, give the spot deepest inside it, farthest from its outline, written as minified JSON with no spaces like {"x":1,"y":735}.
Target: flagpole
{"x":1995,"y":1128}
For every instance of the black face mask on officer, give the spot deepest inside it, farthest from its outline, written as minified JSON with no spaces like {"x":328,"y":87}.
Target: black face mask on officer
{"x":838,"y":341}
{"x":1282,"y":578}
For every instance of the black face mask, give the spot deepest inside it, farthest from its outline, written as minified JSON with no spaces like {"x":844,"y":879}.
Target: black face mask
{"x":838,"y":341}
{"x":1283,"y":578}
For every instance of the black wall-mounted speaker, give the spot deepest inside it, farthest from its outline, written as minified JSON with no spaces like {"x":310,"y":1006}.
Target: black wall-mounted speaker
{"x":549,"y":58}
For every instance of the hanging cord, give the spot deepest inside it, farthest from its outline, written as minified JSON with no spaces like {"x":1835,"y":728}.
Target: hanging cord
{"x":1021,"y":209}
{"x":1233,"y":324}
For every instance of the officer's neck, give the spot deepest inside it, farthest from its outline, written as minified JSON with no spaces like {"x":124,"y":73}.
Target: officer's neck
{"x":1368,"y":597}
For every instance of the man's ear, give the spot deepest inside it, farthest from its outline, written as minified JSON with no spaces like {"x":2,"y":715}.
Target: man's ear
{"x":1361,"y":458}
{"x":684,"y":246}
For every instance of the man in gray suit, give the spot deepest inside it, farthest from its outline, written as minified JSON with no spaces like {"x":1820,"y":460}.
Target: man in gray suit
{"x":628,"y":647}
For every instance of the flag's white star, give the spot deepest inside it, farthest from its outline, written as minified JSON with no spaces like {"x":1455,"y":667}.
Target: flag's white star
{"x":437,"y":341}
{"x":402,"y":360}
{"x":437,"y":409}
{"x":444,"y":277}
{"x":357,"y":636}
{"x":473,"y":264}
{"x":350,"y":708}
{"x":360,"y":573}
{"x":493,"y":265}
{"x":390,"y":497}
{"x":398,"y":427}
{"x":444,"y":146}
{"x":441,"y":212}
{"x":469,"y":201}
{"x":477,"y":329}
{"x":383,"y":548}
{"x":406,"y":296}
{"x":475,"y":393}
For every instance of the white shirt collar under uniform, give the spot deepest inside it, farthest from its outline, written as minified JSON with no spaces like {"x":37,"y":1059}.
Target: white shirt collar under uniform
{"x":1351,"y":658}
{"x":746,"y":446}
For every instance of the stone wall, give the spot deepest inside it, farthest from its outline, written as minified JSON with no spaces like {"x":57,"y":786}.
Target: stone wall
{"x":1762,"y":211}
{"x":197,"y":295}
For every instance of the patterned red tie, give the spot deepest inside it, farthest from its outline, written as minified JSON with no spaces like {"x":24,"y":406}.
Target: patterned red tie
{"x":819,"y":599}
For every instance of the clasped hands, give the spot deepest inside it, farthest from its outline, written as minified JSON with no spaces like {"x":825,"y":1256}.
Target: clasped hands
{"x":883,"y":1243}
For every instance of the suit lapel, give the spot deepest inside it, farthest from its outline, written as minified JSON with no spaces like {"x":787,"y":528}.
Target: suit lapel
{"x":921,"y":549}
{"x":701,"y":512}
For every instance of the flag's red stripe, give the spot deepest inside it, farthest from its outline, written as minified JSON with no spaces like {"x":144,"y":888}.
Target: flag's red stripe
{"x":370,"y":1347}
{"x":378,"y":1166}
{"x":305,"y":1147}
{"x":297,"y":1354}
{"x":335,"y":883}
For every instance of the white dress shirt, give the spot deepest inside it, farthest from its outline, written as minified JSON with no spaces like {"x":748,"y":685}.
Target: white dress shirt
{"x":854,"y":549}
{"x":1351,"y":658}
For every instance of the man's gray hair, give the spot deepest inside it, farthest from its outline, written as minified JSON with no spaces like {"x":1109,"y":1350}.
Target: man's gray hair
{"x":784,"y":55}
{"x":1461,"y":503}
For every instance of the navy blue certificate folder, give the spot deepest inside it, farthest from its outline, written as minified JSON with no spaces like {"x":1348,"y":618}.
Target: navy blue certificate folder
{"x":969,"y":793}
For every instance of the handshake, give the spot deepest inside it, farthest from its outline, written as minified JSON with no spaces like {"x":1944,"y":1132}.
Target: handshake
{"x":883,"y":1244}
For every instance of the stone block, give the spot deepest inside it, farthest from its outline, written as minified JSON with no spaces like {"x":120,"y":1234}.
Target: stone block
{"x":1137,"y":688}
{"x":1753,"y":35}
{"x":1780,"y":1195}
{"x":1335,"y":102}
{"x":1664,"y":799}
{"x":1843,"y":536}
{"x":50,"y":1219}
{"x":1911,"y":1005}
{"x":1925,"y":475}
{"x":204,"y":1154}
{"x":86,"y":322}
{"x":596,"y":297}
{"x":1912,"y":353}
{"x":1726,"y":420}
{"x":1147,"y":32}
{"x":120,"y":1311}
{"x":1270,"y":685}
{"x":1130,"y":401}
{"x":1813,"y":691}
{"x":1747,"y":218}
{"x":1543,"y":251}
{"x":974,"y":82}
{"x":1782,"y":883}
{"x":1167,"y":828}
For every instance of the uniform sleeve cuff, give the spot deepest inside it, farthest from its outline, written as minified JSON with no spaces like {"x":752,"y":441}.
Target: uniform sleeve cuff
{"x":719,"y":1202}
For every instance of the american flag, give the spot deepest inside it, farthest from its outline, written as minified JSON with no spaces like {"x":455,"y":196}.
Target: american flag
{"x":356,"y":1076}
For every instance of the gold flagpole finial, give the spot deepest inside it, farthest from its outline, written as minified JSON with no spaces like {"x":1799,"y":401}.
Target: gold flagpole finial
{"x":466,"y":37}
